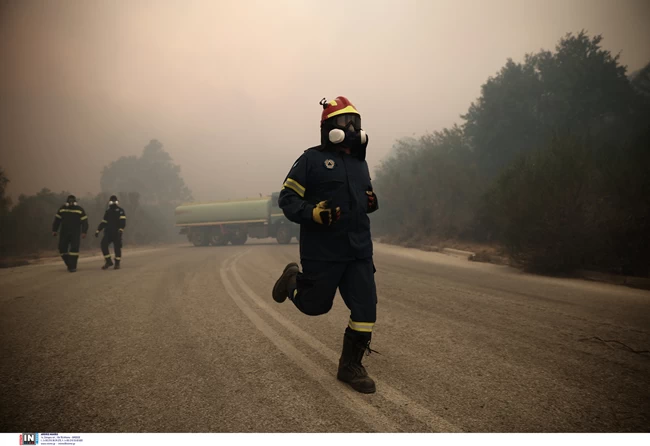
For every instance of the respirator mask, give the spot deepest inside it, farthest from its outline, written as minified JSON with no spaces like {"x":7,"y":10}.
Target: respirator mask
{"x":346,"y":127}
{"x":113,"y":202}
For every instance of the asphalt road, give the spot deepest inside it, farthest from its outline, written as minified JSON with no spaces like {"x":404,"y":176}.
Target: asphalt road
{"x":186,"y":339}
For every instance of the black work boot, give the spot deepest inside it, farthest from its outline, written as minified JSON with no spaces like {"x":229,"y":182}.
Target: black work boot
{"x":117,"y":264}
{"x":108,"y":263}
{"x":351,"y":371}
{"x":72,"y":263}
{"x":285,"y":283}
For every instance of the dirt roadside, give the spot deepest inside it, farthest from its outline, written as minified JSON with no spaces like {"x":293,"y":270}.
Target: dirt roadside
{"x":490,"y":253}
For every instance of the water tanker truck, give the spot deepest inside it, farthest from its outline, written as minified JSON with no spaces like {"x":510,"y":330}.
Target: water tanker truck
{"x":222,"y":222}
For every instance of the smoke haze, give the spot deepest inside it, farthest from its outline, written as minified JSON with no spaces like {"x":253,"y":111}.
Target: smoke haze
{"x":231,"y":88}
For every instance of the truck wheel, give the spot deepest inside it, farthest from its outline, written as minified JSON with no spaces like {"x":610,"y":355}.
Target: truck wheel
{"x":219,"y":240}
{"x":239,"y":238}
{"x":200,"y":238}
{"x":283,"y":235}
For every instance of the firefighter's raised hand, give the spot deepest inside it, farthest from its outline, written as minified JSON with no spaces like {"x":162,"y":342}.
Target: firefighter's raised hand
{"x":324,"y":215}
{"x":96,"y":234}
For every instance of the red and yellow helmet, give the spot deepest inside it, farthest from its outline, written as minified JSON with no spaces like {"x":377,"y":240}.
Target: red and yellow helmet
{"x":340,"y":112}
{"x":341,"y":124}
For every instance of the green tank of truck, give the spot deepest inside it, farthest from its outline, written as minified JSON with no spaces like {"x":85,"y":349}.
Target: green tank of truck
{"x":234,"y":221}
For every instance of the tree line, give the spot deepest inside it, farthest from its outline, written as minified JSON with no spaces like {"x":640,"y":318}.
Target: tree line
{"x":550,"y":162}
{"x":149,"y":187}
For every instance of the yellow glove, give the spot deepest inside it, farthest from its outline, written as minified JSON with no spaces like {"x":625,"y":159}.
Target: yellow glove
{"x":324,"y":215}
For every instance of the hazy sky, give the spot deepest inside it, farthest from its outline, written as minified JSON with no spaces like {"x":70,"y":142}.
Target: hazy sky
{"x":231,"y":88}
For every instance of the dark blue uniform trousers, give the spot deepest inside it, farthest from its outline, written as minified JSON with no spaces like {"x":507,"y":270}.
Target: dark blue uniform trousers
{"x":355,"y":279}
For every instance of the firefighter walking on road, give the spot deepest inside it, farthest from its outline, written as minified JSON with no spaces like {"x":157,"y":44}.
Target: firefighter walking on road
{"x":329,"y":193}
{"x":113,"y":225}
{"x":73,"y":222}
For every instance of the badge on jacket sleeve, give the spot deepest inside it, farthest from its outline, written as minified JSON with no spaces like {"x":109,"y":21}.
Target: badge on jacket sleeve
{"x":330,"y":164}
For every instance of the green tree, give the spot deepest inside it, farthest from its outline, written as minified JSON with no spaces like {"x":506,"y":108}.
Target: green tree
{"x":31,"y":220}
{"x":620,"y":206}
{"x":153,"y":175}
{"x":505,"y":120}
{"x":540,"y":204}
{"x":5,"y":201}
{"x":5,"y":221}
{"x":149,"y":188}
{"x":580,"y":88}
{"x":429,"y":186}
{"x":640,"y":81}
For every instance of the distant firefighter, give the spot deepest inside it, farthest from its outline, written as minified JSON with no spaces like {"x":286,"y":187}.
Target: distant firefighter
{"x":113,"y":224}
{"x":73,"y":222}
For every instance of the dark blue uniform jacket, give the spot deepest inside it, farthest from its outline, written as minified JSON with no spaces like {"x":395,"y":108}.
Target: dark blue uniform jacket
{"x":325,"y":175}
